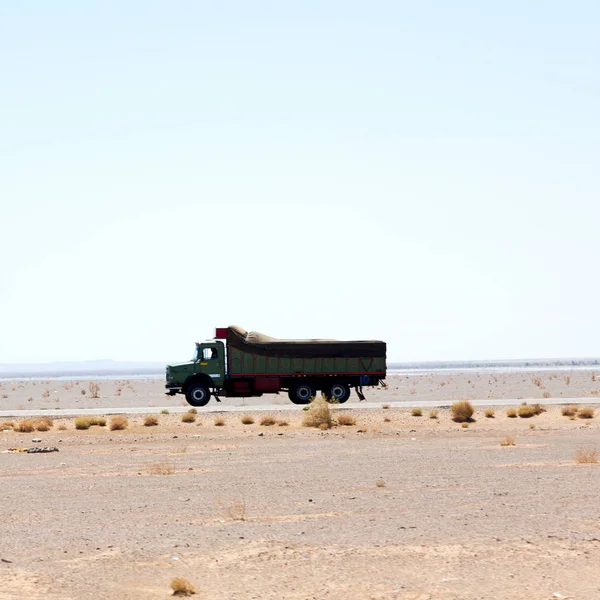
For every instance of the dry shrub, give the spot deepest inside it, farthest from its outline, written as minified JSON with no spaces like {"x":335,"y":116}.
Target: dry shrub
{"x":385,"y":406}
{"x":489,"y":413}
{"x":194,"y":411}
{"x":247,"y":420}
{"x":433,"y":414}
{"x":318,"y":414}
{"x":188,"y":417}
{"x":94,"y":389}
{"x":526,"y":411}
{"x":7,"y":425}
{"x":462,"y":411}
{"x":387,"y":420}
{"x":586,"y":413}
{"x":546,"y":394}
{"x":464,"y":425}
{"x":98,"y":421}
{"x":282,"y":423}
{"x":416,"y":412}
{"x":380,"y":483}
{"x":26,"y":426}
{"x":267,"y":421}
{"x":585,"y":456}
{"x":507,"y":441}
{"x":83,"y":423}
{"x":118,"y":423}
{"x":44,"y":424}
{"x":531,"y":425}
{"x":568,"y":411}
{"x":161,"y":468}
{"x":150,"y":421}
{"x":182,"y":587}
{"x":236,"y":510}
{"x":346,"y":420}
{"x":164,"y":411}
{"x":62,"y":427}
{"x":511,"y":413}
{"x":219,"y":421}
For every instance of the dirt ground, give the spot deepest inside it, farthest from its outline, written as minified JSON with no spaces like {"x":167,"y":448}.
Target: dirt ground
{"x":393,"y":507}
{"x":526,"y":385}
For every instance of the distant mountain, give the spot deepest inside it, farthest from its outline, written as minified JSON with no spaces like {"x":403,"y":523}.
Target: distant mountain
{"x":88,"y":367}
{"x":486,"y":364}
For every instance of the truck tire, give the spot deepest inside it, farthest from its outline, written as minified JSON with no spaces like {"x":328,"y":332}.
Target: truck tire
{"x":337,"y":391}
{"x":197,"y":394}
{"x":302,"y":393}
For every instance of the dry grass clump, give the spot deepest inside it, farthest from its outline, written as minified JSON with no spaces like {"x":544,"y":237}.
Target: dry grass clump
{"x":99,"y":421}
{"x":161,"y":468}
{"x":182,"y":587}
{"x":511,"y":413}
{"x":219,"y":421}
{"x":586,"y":413}
{"x":62,"y":427}
{"x":585,"y":456}
{"x":268,"y":420}
{"x":489,"y":413}
{"x":25,"y":426}
{"x":346,"y":420}
{"x":569,"y":411}
{"x":247,"y":420}
{"x":188,"y":417}
{"x":507,"y":441}
{"x":464,"y":425}
{"x":318,"y":414}
{"x":118,"y":423}
{"x":416,"y":412}
{"x":380,"y":483}
{"x":236,"y":510}
{"x":526,"y":411}
{"x":462,"y":411}
{"x":531,"y":425}
{"x":7,"y":425}
{"x":387,"y":420}
{"x":385,"y":406}
{"x":282,"y":423}
{"x":44,"y":424}
{"x":150,"y":421}
{"x":164,"y":411}
{"x":433,"y":414}
{"x":82,"y":423}
{"x":194,"y":411}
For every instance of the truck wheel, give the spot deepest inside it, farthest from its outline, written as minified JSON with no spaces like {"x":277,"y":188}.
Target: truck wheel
{"x":197,"y":394}
{"x":301,"y":393}
{"x":337,"y":392}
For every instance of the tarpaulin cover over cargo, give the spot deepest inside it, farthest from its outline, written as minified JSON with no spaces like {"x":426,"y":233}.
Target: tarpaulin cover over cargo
{"x":252,"y":353}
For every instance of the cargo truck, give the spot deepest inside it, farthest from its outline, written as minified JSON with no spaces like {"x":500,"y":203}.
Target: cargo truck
{"x":237,"y":363}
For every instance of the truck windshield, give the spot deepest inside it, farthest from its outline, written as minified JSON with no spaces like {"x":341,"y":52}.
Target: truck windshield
{"x":198,"y":353}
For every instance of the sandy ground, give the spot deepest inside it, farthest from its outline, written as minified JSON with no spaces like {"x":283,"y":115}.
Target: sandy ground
{"x":528,"y":385}
{"x":395,"y":506}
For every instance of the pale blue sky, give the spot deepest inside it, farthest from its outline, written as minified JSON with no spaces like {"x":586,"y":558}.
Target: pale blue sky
{"x":426,"y":173}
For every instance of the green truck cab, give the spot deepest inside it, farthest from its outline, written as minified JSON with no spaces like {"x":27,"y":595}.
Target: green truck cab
{"x":249,"y":364}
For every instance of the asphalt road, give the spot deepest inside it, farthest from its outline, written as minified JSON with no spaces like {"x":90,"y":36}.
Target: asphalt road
{"x":215,"y":407}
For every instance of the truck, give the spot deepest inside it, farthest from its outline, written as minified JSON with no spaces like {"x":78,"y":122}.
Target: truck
{"x":238,"y":363}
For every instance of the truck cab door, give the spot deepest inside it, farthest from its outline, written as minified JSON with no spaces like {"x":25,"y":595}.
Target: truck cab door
{"x":212,"y":362}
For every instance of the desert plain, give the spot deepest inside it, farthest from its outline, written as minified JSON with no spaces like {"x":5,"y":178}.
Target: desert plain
{"x":392,"y":505}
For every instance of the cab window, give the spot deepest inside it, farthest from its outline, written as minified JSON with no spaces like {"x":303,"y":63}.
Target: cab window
{"x":209,"y":354}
